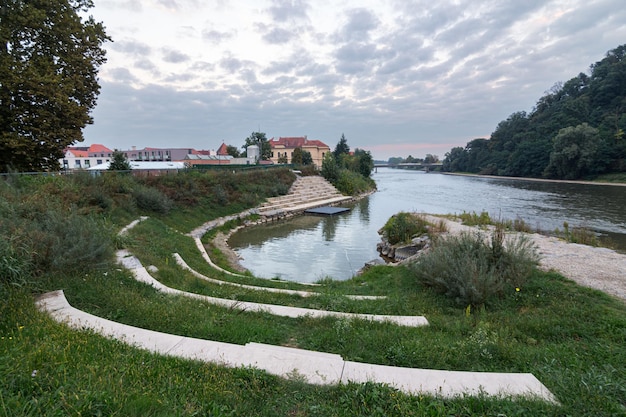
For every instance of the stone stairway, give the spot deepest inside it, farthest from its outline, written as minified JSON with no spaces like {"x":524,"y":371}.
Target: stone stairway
{"x":305,"y":193}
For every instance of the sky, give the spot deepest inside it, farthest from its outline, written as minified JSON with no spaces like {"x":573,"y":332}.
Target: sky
{"x":395,"y":77}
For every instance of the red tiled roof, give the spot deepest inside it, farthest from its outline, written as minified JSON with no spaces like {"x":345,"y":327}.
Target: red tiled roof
{"x":296,"y":142}
{"x":79,"y":153}
{"x":97,"y":148}
{"x":222,"y":150}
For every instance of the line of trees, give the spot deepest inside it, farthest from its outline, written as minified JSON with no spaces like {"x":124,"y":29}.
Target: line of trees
{"x":575,"y":131}
{"x":428,"y":159}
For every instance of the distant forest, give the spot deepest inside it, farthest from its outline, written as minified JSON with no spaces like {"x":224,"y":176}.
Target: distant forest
{"x":575,"y":131}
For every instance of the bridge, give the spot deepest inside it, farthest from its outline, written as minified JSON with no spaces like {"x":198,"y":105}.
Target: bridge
{"x":410,"y":165}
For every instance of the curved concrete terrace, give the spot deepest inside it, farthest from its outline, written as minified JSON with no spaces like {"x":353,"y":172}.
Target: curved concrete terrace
{"x":302,"y":365}
{"x":206,"y":257}
{"x":181,"y":262}
{"x":140,"y":273}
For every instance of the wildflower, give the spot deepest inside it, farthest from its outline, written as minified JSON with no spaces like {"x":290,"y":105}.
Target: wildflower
{"x":33,"y":374}
{"x":517,"y":289}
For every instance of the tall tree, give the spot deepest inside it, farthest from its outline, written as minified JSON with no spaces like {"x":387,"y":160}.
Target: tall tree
{"x":49,"y":61}
{"x":342,"y":148}
{"x":259,"y":139}
{"x":296,"y":157}
{"x":574,"y":152}
{"x":307,"y":158}
{"x":366,"y":162}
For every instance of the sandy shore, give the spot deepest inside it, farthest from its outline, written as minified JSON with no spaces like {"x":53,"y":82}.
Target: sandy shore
{"x":599,"y":268}
{"x":616,"y":184}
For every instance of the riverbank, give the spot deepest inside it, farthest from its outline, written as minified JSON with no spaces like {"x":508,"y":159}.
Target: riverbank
{"x":500,"y":177}
{"x":594,"y":267}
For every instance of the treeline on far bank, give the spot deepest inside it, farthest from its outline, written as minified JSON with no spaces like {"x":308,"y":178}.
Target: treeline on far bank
{"x":575,"y":131}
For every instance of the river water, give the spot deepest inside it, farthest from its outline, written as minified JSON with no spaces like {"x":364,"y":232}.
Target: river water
{"x":308,"y":248}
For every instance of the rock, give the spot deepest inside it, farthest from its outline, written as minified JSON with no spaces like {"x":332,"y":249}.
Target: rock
{"x":402,"y":252}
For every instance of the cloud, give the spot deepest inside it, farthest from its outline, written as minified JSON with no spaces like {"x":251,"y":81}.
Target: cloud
{"x":403,"y":72}
{"x":131,"y":47}
{"x":288,"y":10}
{"x":216,"y":36}
{"x":359,"y":23}
{"x":174,"y":56}
{"x":279,"y":36}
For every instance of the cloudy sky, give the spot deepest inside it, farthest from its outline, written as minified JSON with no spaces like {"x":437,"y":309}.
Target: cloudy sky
{"x":396,"y":77}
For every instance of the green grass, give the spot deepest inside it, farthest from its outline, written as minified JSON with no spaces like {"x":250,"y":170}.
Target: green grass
{"x":614,"y":178}
{"x":572,"y":339}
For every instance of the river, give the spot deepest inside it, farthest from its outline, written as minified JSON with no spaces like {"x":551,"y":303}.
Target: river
{"x":309,"y":248}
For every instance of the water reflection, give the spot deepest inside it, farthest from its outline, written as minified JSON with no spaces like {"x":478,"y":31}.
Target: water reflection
{"x":308,"y":248}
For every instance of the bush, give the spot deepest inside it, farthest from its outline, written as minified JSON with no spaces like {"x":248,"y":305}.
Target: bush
{"x":15,"y":265}
{"x":473,"y":270}
{"x":151,"y":199}
{"x":352,"y":183}
{"x":402,"y":227}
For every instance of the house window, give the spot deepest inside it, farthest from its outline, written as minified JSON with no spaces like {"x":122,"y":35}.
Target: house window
{"x":99,"y":161}
{"x":87,"y":163}
{"x":77,"y":163}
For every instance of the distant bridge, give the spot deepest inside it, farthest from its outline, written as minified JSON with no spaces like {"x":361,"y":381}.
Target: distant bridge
{"x":410,"y":165}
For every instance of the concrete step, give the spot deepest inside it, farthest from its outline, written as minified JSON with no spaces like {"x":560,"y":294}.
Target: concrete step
{"x":318,"y":368}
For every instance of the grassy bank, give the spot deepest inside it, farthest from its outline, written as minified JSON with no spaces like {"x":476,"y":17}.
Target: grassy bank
{"x":573,"y":339}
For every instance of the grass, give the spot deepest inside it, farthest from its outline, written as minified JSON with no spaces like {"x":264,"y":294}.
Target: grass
{"x":572,"y":339}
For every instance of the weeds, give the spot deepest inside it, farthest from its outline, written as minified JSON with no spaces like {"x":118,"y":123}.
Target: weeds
{"x":580,"y":235}
{"x":473,"y":219}
{"x":473,"y":271}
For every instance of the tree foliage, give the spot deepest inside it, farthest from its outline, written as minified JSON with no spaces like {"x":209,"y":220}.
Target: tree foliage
{"x":307,"y":158}
{"x":119,"y":162}
{"x":349,"y":173}
{"x":296,"y":157}
{"x":341,"y":148}
{"x":233,"y":151}
{"x":574,"y":152}
{"x":592,"y":110}
{"x":259,"y":139}
{"x":49,"y":60}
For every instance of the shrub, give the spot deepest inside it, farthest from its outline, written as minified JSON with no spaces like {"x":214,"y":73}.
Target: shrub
{"x":473,"y":270}
{"x":151,"y":199}
{"x":353,"y":183}
{"x":15,"y":265}
{"x":64,"y":242}
{"x":402,"y":227}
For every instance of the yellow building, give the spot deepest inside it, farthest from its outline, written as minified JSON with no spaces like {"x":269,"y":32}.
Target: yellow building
{"x":286,"y":146}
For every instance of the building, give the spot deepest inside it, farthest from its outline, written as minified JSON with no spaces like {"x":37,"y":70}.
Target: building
{"x":159,"y":154}
{"x":284,"y":147}
{"x":85,"y":157}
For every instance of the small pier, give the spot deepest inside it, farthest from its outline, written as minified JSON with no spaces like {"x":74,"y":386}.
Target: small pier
{"x":326,"y":211}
